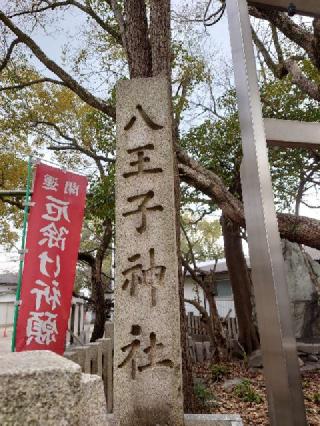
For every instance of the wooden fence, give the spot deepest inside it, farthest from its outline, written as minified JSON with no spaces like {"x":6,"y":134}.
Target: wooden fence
{"x":198,"y":332}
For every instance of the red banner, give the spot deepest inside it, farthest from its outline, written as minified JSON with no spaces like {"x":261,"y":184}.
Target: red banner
{"x":52,"y":244}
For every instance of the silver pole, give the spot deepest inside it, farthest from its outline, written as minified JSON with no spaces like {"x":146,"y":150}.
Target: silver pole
{"x":281,"y":368}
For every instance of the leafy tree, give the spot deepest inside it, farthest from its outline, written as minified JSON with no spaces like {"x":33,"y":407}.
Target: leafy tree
{"x":202,"y":236}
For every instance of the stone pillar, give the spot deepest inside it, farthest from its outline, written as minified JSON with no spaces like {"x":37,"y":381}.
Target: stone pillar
{"x":147,"y":365}
{"x":76,"y":321}
{"x":109,"y":330}
{"x":81,"y":319}
{"x":107,"y":371}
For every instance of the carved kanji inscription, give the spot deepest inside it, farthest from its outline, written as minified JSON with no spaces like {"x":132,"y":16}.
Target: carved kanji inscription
{"x":151,"y":351}
{"x":140,"y":161}
{"x":149,"y":122}
{"x":136,"y":276}
{"x":142,"y":208}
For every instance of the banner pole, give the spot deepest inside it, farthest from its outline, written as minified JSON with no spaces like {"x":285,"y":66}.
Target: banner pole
{"x":22,"y":251}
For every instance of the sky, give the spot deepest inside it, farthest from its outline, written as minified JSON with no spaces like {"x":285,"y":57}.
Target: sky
{"x":65,"y":35}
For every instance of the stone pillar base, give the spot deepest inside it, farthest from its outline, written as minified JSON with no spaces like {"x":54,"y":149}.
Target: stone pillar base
{"x":199,"y":420}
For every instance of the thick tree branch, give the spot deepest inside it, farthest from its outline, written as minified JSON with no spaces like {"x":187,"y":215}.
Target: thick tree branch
{"x":199,"y":307}
{"x":193,"y":173}
{"x":7,"y":57}
{"x":301,"y":229}
{"x":286,"y":67}
{"x":305,"y":84}
{"x":289,"y":28}
{"x":86,"y":257}
{"x":34,"y":10}
{"x":278,"y":70}
{"x":104,"y":25}
{"x":69,"y":81}
{"x":316,"y":41}
{"x":105,"y":242}
{"x":276,"y":43}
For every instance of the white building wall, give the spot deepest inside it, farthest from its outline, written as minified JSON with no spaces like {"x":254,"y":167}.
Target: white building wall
{"x":223,"y":304}
{"x":6,"y":313}
{"x":191,"y":294}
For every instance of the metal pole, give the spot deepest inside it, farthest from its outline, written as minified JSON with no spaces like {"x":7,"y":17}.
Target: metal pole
{"x":281,"y":368}
{"x":24,"y":229}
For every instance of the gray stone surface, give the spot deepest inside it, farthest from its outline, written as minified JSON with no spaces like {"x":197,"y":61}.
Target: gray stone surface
{"x":109,"y":330}
{"x":93,"y":404}
{"x":147,"y":365}
{"x":212,"y":420}
{"x":198,"y":420}
{"x":231,"y":383}
{"x":107,"y":370}
{"x":96,"y":358}
{"x":38,"y":388}
{"x":303,"y":276}
{"x":199,"y":351}
{"x":255,"y":359}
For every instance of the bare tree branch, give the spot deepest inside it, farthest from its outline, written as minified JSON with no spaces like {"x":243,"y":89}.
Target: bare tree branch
{"x":277,"y":69}
{"x":289,"y":28}
{"x":316,"y":41}
{"x":120,"y":19}
{"x":73,"y":145}
{"x":12,"y":202}
{"x":55,"y":127}
{"x":86,"y":9}
{"x":199,"y":307}
{"x":69,"y":81}
{"x":276,"y":43}
{"x":6,"y":59}
{"x":32,"y":83}
{"x":305,"y":85}
{"x":288,"y":66}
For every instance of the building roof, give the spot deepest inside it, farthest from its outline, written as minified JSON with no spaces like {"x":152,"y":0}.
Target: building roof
{"x":209,"y":265}
{"x":221,"y":267}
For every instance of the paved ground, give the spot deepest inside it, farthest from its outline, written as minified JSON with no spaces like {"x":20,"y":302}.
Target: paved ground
{"x":5,"y":339}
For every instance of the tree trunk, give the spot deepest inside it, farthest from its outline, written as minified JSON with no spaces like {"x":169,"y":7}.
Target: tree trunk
{"x":241,"y":285}
{"x":212,"y":320}
{"x":98,"y":288}
{"x":219,"y":351}
{"x":99,"y":304}
{"x":137,"y":41}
